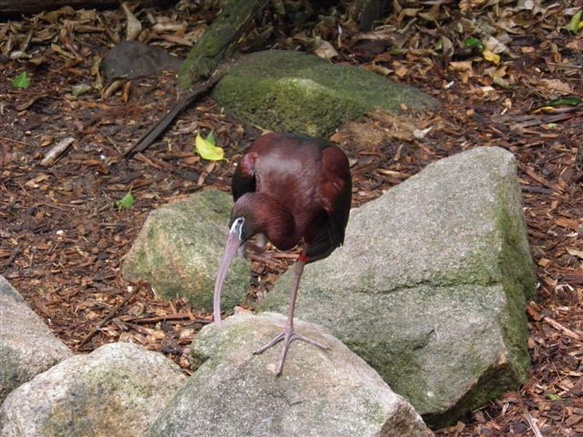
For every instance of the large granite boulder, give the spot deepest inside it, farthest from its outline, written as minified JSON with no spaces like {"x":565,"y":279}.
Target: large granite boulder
{"x":430,"y":286}
{"x":320,"y":393}
{"x":27,"y":346}
{"x":179,"y":249}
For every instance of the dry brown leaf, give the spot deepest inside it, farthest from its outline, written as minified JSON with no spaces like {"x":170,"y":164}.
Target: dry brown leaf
{"x":133,"y":25}
{"x":555,"y":86}
{"x":461,"y":66}
{"x":565,"y":222}
{"x":325,"y":50}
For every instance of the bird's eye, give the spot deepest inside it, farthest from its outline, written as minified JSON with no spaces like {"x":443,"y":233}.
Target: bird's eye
{"x":237,"y":227}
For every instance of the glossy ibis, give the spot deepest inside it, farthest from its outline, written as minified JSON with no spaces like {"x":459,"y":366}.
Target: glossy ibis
{"x":294,"y":190}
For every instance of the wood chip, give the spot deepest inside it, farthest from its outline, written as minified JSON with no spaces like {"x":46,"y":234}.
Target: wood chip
{"x":560,"y":327}
{"x":57,"y":151}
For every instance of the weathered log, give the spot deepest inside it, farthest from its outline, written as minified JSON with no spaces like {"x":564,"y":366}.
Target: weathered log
{"x":207,"y":58}
{"x":14,"y":8}
{"x":217,"y":41}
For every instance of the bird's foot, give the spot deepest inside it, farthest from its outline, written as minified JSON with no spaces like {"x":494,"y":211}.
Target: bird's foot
{"x":288,"y":335}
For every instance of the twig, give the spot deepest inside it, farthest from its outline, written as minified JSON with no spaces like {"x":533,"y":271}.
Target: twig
{"x":57,"y":151}
{"x":283,"y":255}
{"x":3,"y":138}
{"x":156,"y":130}
{"x":12,"y":258}
{"x":540,"y":179}
{"x":531,"y":422}
{"x":110,"y":316}
{"x":178,"y":316}
{"x":262,"y":259}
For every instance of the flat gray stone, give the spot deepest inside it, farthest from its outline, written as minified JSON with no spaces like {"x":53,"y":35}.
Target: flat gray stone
{"x":179,"y":249}
{"x":320,"y":393}
{"x":430,"y":286}
{"x":27,"y":346}
{"x":117,"y":390}
{"x":292,"y":91}
{"x":132,"y":59}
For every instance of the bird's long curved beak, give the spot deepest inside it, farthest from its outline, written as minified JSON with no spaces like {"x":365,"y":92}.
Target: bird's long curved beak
{"x":233,"y":243}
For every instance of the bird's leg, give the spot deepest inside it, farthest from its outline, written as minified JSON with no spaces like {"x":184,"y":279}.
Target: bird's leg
{"x":288,"y":335}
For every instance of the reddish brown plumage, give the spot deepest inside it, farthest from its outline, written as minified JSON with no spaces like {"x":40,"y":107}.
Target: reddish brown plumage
{"x":307,"y":177}
{"x":295,"y":190}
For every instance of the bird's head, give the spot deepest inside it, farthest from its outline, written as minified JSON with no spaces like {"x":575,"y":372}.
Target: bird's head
{"x":252,"y":214}
{"x":242,"y":226}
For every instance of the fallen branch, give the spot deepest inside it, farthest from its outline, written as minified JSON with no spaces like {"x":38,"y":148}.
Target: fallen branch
{"x":533,"y":426}
{"x":190,"y":97}
{"x":177,"y":316}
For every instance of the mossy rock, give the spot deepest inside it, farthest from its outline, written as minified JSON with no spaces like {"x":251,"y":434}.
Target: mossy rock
{"x":179,"y":249}
{"x":431,"y":284}
{"x":292,"y":91}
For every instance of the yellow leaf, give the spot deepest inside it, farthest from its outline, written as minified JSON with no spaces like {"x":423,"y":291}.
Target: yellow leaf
{"x":207,"y":150}
{"x":490,"y":56}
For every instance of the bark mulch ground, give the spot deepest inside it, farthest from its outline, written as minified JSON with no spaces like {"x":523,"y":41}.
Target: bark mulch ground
{"x":62,"y":239}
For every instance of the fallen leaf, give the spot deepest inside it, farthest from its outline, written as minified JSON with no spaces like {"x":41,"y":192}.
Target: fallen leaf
{"x":575,"y":25}
{"x":133,"y":25}
{"x":474,"y":42}
{"x":490,"y":56}
{"x":325,"y":50}
{"x":21,"y":81}
{"x":126,"y":202}
{"x":565,"y":222}
{"x":206,"y":148}
{"x":461,"y":65}
{"x":555,"y":86}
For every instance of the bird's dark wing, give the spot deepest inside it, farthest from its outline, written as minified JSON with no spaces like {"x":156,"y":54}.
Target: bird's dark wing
{"x":244,"y":180}
{"x":334,"y":194}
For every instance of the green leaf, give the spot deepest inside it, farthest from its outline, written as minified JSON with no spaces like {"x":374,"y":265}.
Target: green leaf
{"x":553,"y":397}
{"x":474,"y":42}
{"x":565,"y":101}
{"x":206,"y":148}
{"x":21,"y":81}
{"x":127,"y":202}
{"x":575,"y":24}
{"x":211,"y":138}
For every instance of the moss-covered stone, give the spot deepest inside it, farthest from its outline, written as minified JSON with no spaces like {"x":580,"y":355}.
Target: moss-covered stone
{"x":328,"y":392}
{"x":293,"y":91}
{"x":218,"y":40}
{"x":179,"y":248}
{"x":117,"y":390}
{"x":431,"y":284}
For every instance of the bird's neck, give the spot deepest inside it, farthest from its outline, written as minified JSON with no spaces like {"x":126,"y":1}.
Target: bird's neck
{"x":273,"y":219}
